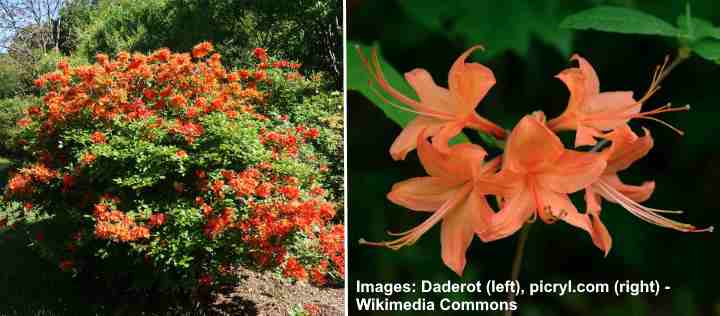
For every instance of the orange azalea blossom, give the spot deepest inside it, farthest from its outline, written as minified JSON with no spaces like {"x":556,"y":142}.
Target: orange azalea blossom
{"x":443,"y":112}
{"x":98,"y":137}
{"x":537,"y":175}
{"x":202,"y":49}
{"x":590,"y":112}
{"x":452,"y":191}
{"x":626,"y":148}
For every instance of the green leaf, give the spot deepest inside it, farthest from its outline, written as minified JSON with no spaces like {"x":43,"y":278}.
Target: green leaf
{"x":478,"y":22}
{"x":620,"y":20}
{"x":358,"y":80}
{"x":491,"y":141}
{"x":699,"y":28}
{"x":708,"y":49}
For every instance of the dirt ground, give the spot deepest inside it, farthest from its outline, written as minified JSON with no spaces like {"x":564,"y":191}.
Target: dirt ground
{"x":264,"y":294}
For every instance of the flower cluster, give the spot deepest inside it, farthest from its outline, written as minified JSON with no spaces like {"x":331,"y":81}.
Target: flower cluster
{"x":535,"y":174}
{"x":22,"y":182}
{"x":288,"y":141}
{"x":177,"y":162}
{"x":113,"y":224}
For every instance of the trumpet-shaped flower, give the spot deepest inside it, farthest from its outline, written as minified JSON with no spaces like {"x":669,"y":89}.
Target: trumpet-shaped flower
{"x":537,"y":175}
{"x":590,"y":112}
{"x":452,"y":191}
{"x":626,"y":148}
{"x":442,"y":112}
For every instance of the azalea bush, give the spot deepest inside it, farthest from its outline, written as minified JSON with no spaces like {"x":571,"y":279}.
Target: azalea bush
{"x":166,"y":170}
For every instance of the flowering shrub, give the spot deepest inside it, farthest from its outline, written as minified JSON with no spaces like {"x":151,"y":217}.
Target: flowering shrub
{"x":535,"y":174}
{"x":174,"y":165}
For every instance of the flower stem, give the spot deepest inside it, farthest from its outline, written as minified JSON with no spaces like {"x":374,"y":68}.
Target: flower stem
{"x":517,"y":262}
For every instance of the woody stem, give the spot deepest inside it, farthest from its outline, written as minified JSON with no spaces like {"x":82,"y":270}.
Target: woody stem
{"x":517,"y":262}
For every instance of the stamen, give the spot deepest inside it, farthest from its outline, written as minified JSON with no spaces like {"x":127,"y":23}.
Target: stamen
{"x":675,"y":129}
{"x":612,"y":116}
{"x":645,"y":213}
{"x":655,"y":82}
{"x":376,"y":73}
{"x":402,"y":108}
{"x":411,"y":236}
{"x":658,"y":75}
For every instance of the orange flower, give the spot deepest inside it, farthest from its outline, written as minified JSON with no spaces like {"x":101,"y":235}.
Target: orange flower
{"x":537,"y":175}
{"x":88,"y":159}
{"x":178,"y":101}
{"x":590,"y":112}
{"x":101,"y":58}
{"x":98,"y":137}
{"x":20,"y":183}
{"x":157,"y":219}
{"x":443,"y":112}
{"x":39,"y":173}
{"x":202,"y":49}
{"x":24,"y":122}
{"x":261,"y":54}
{"x":453,"y":192}
{"x":295,"y":270}
{"x":626,"y":148}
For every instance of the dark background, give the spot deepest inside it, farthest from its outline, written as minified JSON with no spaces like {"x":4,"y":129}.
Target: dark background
{"x":684,"y":168}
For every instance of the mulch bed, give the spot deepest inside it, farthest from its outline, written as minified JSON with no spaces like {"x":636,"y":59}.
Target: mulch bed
{"x":265,"y":294}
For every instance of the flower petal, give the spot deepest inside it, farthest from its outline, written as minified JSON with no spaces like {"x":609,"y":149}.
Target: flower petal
{"x":625,"y":149}
{"x":513,"y":215}
{"x":433,"y":98}
{"x":407,"y":140}
{"x":591,"y":82}
{"x":585,"y":136}
{"x":592,"y":200}
{"x":637,"y":193}
{"x":464,"y":157}
{"x":600,"y":235}
{"x":531,"y":146}
{"x":608,"y":110}
{"x":572,"y":172}
{"x":448,"y":131}
{"x":479,"y":212}
{"x":503,"y":184}
{"x":552,"y":205}
{"x":422,"y":193}
{"x":459,"y":227}
{"x":469,"y":82}
{"x":575,"y":82}
{"x":560,"y":207}
{"x":454,"y":162}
